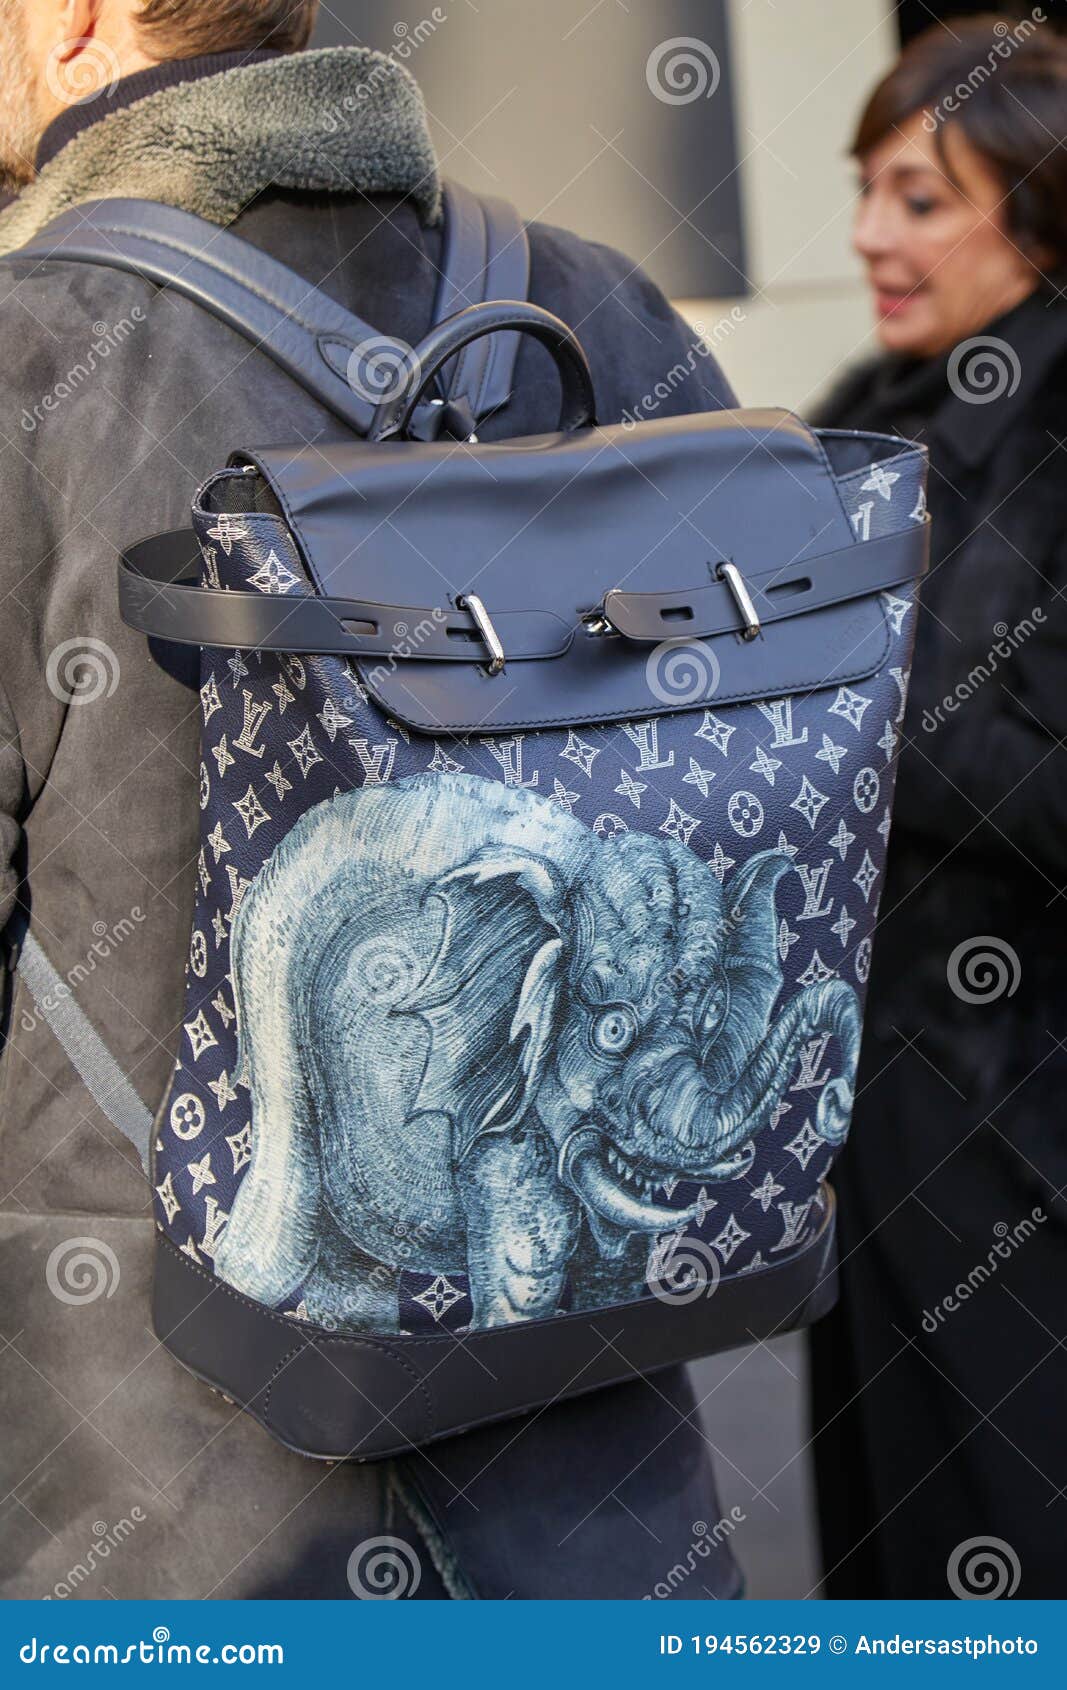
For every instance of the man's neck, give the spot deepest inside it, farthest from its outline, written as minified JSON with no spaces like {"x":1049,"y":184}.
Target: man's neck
{"x":137,"y":86}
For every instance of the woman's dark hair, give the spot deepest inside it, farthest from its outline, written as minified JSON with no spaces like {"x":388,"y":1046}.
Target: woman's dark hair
{"x":1004,"y":85}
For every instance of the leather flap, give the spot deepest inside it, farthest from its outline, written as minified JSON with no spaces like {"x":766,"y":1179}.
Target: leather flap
{"x":551,"y":524}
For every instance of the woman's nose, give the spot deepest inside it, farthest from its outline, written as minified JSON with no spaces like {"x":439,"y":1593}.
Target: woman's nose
{"x":871,"y":232}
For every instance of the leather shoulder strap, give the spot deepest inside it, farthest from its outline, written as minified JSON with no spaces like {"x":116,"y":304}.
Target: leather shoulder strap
{"x":306,"y":332}
{"x":486,"y":256}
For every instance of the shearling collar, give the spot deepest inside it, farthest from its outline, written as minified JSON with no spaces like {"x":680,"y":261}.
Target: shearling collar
{"x":341,"y":120}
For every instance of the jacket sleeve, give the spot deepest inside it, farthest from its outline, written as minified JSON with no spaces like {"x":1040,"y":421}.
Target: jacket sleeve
{"x":12,"y":783}
{"x":1000,"y":756}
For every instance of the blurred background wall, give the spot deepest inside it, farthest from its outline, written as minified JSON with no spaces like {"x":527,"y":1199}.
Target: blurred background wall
{"x":719,"y":163}
{"x":708,"y":139}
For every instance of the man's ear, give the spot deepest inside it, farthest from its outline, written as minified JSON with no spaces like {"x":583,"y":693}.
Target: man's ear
{"x":81,"y":49}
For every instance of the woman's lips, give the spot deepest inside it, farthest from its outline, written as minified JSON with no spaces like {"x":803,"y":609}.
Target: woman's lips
{"x":891,"y":304}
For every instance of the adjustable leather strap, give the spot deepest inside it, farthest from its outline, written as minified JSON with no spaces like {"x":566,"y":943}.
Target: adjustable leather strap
{"x":308,"y":334}
{"x":871,"y":566}
{"x":486,"y":256}
{"x":159,"y":593}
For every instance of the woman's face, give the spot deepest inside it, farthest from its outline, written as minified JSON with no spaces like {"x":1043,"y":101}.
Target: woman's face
{"x":939,"y":259}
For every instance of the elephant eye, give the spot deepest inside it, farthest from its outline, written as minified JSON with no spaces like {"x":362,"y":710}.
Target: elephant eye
{"x":713,"y":1007}
{"x":615,"y":1030}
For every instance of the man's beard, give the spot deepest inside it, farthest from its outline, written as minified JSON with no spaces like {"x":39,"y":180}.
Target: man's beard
{"x":18,"y":115}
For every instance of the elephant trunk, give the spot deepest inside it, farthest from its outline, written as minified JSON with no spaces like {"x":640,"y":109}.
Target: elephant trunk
{"x":706,"y":1127}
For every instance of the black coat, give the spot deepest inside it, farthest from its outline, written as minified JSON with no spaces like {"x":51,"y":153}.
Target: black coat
{"x":960,"y":1127}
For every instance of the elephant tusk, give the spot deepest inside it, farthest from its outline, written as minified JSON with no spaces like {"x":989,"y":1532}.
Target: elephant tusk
{"x":734,"y":1166}
{"x":581,"y":1166}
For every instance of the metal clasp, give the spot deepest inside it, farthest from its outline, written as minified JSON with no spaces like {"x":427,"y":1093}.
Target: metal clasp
{"x":729,"y":573}
{"x":597,"y":624}
{"x":471,"y":603}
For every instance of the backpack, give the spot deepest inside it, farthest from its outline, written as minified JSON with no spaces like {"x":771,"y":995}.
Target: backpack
{"x":545,"y":792}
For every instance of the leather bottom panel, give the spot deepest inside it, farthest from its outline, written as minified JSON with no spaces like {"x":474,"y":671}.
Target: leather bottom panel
{"x":344,"y":1397}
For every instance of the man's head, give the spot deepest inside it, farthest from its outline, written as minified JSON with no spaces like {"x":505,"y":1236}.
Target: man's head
{"x":60,"y":53}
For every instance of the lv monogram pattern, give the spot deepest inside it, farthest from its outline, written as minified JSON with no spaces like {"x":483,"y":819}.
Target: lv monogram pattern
{"x":809,"y":777}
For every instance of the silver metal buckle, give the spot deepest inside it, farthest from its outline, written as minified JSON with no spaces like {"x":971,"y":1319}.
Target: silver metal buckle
{"x":597,"y":624}
{"x":729,"y":573}
{"x":471,"y":603}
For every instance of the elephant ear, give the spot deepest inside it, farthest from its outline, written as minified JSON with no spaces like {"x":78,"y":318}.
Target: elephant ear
{"x":491,"y":997}
{"x":750,"y":959}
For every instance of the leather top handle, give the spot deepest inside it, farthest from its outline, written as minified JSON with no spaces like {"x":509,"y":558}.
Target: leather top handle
{"x":578,"y":408}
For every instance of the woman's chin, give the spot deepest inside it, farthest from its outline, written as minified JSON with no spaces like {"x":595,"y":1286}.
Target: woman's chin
{"x":905,"y":332}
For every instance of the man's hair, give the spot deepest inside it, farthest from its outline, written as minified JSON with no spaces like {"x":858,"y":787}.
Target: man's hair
{"x":183,"y":29}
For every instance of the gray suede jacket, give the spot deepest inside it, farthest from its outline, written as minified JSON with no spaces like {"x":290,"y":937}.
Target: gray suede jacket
{"x":119,"y":399}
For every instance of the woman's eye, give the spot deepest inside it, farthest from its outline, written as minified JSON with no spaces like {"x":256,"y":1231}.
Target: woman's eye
{"x":615,"y":1030}
{"x":921,"y":207}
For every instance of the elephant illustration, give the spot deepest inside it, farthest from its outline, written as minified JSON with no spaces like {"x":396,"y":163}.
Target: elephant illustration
{"x":479,"y":1039}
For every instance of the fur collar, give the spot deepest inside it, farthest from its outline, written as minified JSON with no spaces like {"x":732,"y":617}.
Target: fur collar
{"x":342,"y":119}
